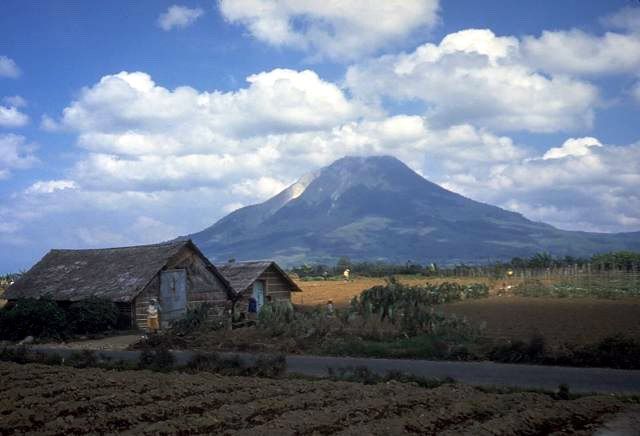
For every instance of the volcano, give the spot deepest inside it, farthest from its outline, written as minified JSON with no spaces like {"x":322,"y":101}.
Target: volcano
{"x":376,"y":208}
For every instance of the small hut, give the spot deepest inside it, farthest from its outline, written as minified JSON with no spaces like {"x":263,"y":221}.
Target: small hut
{"x":176,"y":273}
{"x":261,"y":280}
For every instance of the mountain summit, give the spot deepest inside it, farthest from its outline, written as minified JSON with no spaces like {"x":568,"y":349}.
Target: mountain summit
{"x":377,"y":208}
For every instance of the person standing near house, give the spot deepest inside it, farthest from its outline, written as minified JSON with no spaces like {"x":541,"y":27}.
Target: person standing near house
{"x":346,"y":274}
{"x":253,"y":309}
{"x":153,"y":316}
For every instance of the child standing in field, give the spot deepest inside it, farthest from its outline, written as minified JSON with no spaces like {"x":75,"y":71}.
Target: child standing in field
{"x":330,"y":308}
{"x":346,"y":274}
{"x":153,"y":313}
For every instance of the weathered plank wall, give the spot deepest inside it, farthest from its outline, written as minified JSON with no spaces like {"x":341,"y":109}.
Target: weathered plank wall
{"x":275,"y":286}
{"x":202,"y":287}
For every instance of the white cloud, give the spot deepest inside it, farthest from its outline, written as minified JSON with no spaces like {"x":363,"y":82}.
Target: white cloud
{"x":627,"y":18}
{"x":475,"y":77}
{"x":8,"y":68}
{"x":334,"y":29}
{"x":586,"y":186}
{"x":276,"y":101}
{"x":12,"y":117}
{"x":15,"y":153}
{"x":577,"y":52}
{"x":573,"y":147}
{"x":15,"y":101}
{"x":50,"y":186}
{"x":178,"y":17}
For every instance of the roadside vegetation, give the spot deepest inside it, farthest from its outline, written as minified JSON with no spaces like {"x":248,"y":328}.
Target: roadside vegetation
{"x":393,"y":320}
{"x":44,"y":319}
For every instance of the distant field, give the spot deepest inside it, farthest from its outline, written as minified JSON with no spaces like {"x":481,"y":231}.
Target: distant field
{"x":341,"y":292}
{"x":559,"y":320}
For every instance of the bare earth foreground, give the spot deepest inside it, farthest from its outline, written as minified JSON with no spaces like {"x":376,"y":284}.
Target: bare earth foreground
{"x":63,"y":400}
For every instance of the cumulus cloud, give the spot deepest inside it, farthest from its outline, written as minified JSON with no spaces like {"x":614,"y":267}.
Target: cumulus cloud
{"x":333,"y":29}
{"x":12,"y":117}
{"x":8,"y":68}
{"x":585,"y":186}
{"x":573,"y":147}
{"x":577,"y":52}
{"x":474,"y":76}
{"x":50,"y":186}
{"x":178,"y":17}
{"x":15,"y":153}
{"x":277,"y":101}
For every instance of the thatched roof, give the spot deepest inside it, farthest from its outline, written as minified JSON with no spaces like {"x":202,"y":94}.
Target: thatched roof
{"x":118,"y":274}
{"x":241,"y":275}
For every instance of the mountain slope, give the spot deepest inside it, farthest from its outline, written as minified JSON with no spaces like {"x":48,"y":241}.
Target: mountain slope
{"x":376,"y":208}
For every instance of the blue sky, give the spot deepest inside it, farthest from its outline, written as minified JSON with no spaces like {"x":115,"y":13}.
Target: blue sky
{"x":134,"y":122}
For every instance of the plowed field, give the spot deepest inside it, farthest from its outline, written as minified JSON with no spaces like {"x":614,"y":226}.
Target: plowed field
{"x":61,"y":400}
{"x":559,"y":320}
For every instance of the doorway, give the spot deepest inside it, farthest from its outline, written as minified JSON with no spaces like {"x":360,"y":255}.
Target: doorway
{"x":173,"y":295}
{"x":258,"y":294}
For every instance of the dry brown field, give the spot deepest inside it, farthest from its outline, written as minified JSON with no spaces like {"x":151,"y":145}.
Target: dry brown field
{"x":340,"y":292}
{"x":559,"y":320}
{"x":59,"y":400}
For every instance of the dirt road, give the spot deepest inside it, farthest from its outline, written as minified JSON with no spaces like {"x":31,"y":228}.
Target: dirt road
{"x":586,"y":380}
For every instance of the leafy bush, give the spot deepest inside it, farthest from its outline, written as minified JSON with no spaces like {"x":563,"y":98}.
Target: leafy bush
{"x":93,"y":315}
{"x":394,"y":296}
{"x":192,"y":320}
{"x":275,"y":316}
{"x":41,"y":318}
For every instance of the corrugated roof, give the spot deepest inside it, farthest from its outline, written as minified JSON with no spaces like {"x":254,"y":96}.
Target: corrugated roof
{"x":241,"y":275}
{"x":118,"y":274}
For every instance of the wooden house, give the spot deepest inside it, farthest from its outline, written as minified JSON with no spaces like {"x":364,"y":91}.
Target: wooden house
{"x":176,"y":273}
{"x":262,"y":280}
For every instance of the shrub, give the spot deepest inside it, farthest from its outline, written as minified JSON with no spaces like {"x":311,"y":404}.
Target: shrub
{"x":93,"y":315}
{"x":362,"y":374}
{"x":214,"y":362}
{"x":41,"y":318}
{"x":17,"y":355}
{"x":520,"y":352}
{"x":275,"y":316}
{"x":191,"y":321}
{"x":264,"y":366}
{"x":616,"y":351}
